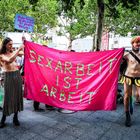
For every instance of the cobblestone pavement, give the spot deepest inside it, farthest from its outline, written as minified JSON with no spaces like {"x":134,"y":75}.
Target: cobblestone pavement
{"x":82,"y":125}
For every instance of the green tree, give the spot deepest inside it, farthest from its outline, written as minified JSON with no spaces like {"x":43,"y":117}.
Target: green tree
{"x":128,"y":21}
{"x":76,"y":19}
{"x":8,"y":10}
{"x":113,"y":9}
{"x":108,"y":11}
{"x":44,"y":13}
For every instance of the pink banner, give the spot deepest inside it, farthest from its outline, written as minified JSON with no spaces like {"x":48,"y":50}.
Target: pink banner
{"x":72,"y":80}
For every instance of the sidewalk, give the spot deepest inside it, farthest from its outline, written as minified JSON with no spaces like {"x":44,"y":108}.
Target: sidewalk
{"x":53,"y":125}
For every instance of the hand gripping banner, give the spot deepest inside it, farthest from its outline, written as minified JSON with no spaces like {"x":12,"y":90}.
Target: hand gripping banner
{"x":72,"y":80}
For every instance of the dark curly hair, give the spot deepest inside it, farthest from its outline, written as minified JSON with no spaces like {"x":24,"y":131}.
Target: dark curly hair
{"x":4,"y":43}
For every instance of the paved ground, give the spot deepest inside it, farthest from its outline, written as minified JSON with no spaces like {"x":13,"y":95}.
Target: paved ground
{"x":53,"y":125}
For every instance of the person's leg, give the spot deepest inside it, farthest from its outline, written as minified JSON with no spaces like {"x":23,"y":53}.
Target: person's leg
{"x":36,"y":105}
{"x":15,"y":119}
{"x":127,"y":95}
{"x":48,"y":107}
{"x":137,"y":94}
{"x":3,"y":119}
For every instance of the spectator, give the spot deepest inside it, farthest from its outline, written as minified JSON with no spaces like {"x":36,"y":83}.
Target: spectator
{"x":65,"y":110}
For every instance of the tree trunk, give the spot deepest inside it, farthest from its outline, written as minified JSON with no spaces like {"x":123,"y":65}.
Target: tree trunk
{"x":93,"y":46}
{"x":70,"y":44}
{"x":99,"y":26}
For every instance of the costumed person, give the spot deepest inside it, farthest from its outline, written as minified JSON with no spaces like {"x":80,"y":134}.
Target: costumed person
{"x":131,"y":77}
{"x":13,"y":97}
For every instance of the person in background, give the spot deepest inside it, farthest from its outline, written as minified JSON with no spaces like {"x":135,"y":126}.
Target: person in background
{"x":35,"y":103}
{"x":13,"y":97}
{"x":1,"y":88}
{"x":66,"y":111}
{"x":132,"y":77}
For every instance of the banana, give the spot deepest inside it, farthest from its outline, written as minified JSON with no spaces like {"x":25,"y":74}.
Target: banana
{"x":129,"y":81}
{"x":137,"y":82}
{"x":121,"y":80}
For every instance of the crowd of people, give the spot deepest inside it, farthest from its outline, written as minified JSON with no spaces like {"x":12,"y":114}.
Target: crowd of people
{"x":12,"y":83}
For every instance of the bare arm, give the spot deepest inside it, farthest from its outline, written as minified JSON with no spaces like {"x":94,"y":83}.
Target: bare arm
{"x":125,"y":56}
{"x":21,"y":53}
{"x":13,"y":56}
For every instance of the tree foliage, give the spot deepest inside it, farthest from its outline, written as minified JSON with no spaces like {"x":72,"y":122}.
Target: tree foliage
{"x":77,"y":18}
{"x":8,"y":10}
{"x":44,"y":13}
{"x":113,"y":19}
{"x":122,"y":16}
